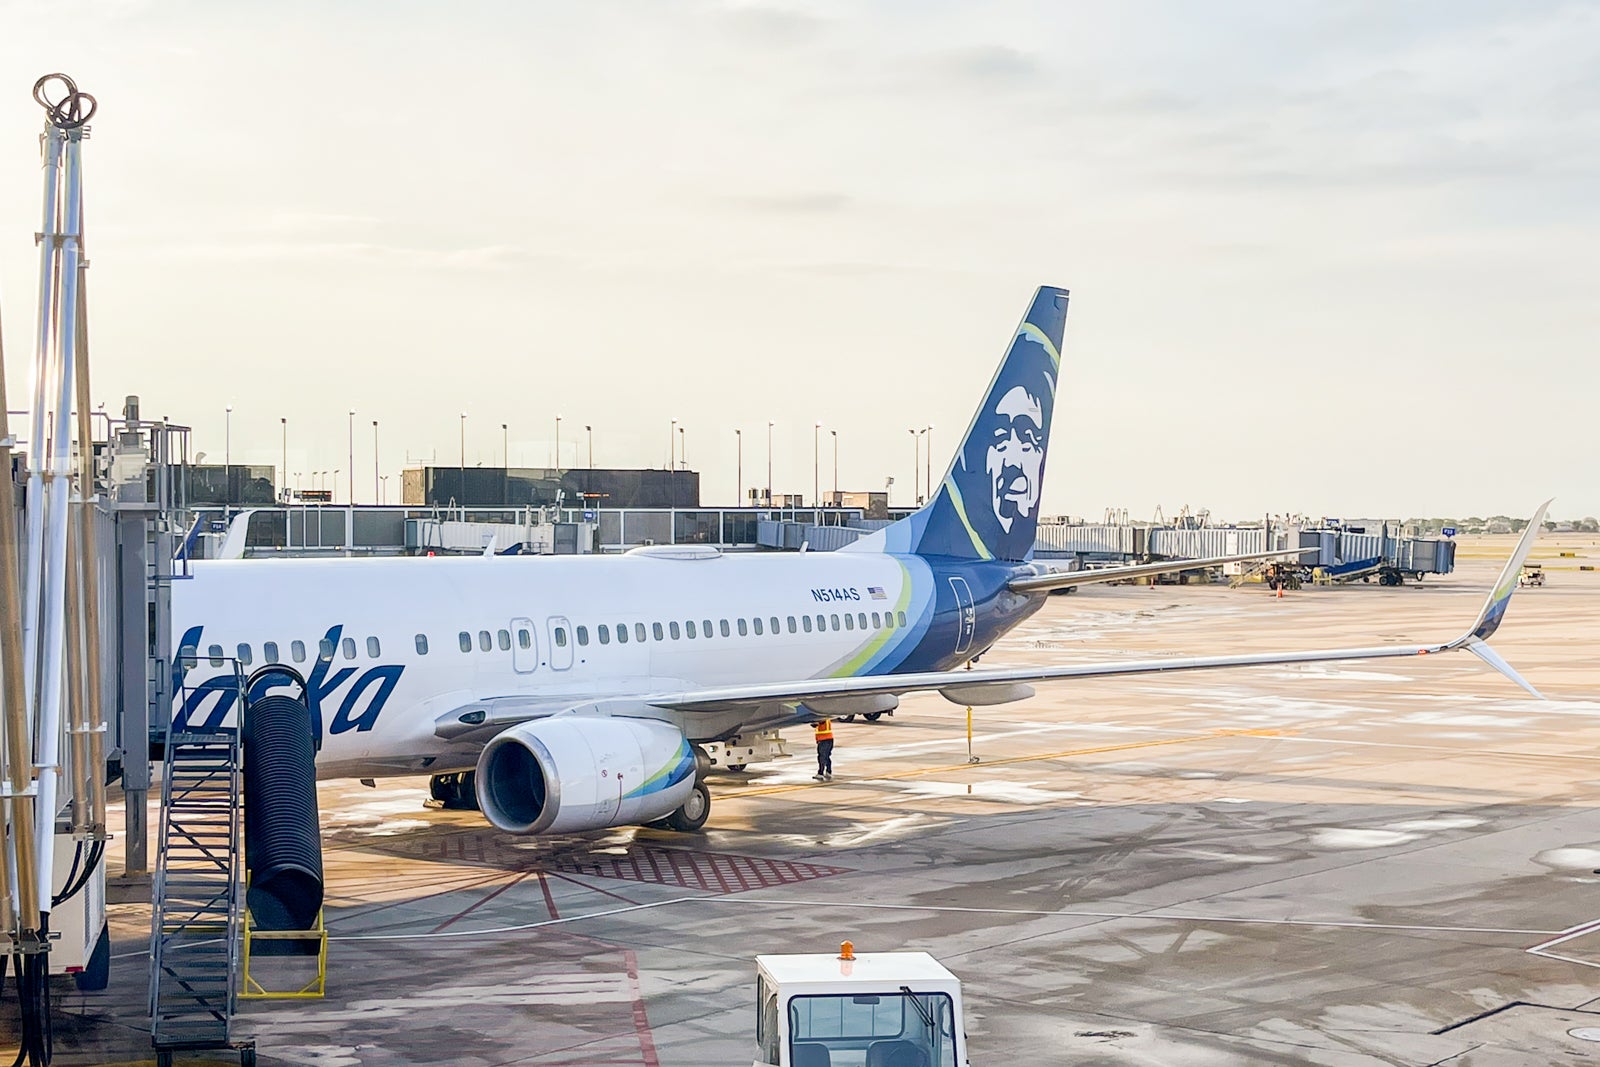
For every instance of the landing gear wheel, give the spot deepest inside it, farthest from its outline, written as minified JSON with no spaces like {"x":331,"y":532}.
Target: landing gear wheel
{"x":455,"y":792}
{"x":694,"y":813}
{"x":847,"y":718}
{"x":872,"y":716}
{"x":737,"y":766}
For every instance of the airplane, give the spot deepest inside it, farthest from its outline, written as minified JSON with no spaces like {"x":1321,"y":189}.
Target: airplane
{"x":572,"y":693}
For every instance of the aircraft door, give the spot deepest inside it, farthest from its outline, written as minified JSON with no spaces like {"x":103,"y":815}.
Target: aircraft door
{"x":966,"y":614}
{"x":524,"y":646}
{"x":560,"y":642}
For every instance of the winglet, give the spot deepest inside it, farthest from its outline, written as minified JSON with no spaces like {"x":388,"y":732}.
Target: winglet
{"x":1494,"y":609}
{"x":1492,"y":658}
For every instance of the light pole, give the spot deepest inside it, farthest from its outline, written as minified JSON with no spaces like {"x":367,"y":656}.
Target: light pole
{"x":590,"y":431}
{"x":286,"y":455}
{"x":505,"y":446}
{"x":461,"y":485}
{"x":351,"y":469}
{"x":738,"y":491}
{"x":672,"y":445}
{"x":835,"y":467}
{"x":816,"y":464}
{"x":227,"y":460}
{"x":683,"y":448}
{"x":558,"y":442}
{"x":927,"y":458}
{"x":376,"y":496}
{"x":769,"y":462}
{"x":916,"y":465}
{"x":383,"y":492}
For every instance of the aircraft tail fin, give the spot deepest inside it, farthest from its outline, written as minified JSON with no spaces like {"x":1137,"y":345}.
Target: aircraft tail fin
{"x":987,"y":506}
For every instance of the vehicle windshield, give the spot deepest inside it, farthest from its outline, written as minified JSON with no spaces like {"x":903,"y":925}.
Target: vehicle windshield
{"x":906,"y":1029}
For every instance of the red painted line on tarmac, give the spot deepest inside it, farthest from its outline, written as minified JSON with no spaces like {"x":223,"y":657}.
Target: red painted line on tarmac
{"x":468,"y":911}
{"x":641,"y":1023}
{"x":593,"y":888}
{"x":549,"y":901}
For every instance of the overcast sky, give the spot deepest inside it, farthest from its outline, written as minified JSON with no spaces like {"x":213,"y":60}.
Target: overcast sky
{"x":1327,"y":257}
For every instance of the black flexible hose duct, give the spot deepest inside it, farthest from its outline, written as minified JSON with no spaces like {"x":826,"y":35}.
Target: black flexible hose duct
{"x":282,"y":844}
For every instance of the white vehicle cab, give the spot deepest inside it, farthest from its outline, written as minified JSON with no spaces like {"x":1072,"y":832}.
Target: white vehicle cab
{"x":879,"y":1009}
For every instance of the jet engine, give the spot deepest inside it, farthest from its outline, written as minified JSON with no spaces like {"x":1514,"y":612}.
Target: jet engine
{"x":572,"y":773}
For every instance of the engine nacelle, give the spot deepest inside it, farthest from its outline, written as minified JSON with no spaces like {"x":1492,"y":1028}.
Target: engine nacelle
{"x":577,"y":773}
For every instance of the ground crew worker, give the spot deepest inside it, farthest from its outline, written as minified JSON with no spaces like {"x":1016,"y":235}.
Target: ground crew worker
{"x":824,"y":731}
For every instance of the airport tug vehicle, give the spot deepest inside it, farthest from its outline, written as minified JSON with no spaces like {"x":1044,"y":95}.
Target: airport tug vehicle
{"x":878,"y":1009}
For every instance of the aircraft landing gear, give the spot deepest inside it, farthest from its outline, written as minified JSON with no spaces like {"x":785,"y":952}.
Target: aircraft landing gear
{"x":455,"y":792}
{"x":694,"y":813}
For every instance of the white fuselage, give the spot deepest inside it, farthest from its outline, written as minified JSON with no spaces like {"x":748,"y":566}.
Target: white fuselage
{"x":390,"y":645}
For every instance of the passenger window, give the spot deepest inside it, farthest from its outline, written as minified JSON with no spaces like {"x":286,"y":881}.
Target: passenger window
{"x":744,"y":629}
{"x":638,"y":631}
{"x":876,"y":622}
{"x":757,"y":623}
{"x":325,"y":650}
{"x":422,"y":645}
{"x":849,"y":623}
{"x":466,"y":641}
{"x":705,"y":627}
{"x":244,"y":655}
{"x":689,"y":626}
{"x":835,"y":621}
{"x":774,"y":624}
{"x":215,"y":652}
{"x":561,"y":636}
{"x":900,"y":618}
{"x":672,"y":628}
{"x":622,"y":633}
{"x":724,"y":626}
{"x":658,"y":632}
{"x":187,"y":656}
{"x":806,"y":619}
{"x":297,"y":649}
{"x":349,"y":646}
{"x":791,"y":624}
{"x":374,"y":650}
{"x":269,"y":651}
{"x":525,"y":639}
{"x":822,"y":623}
{"x":583,"y":635}
{"x":861,"y":620}
{"x":605,"y":633}
{"x":505,"y":640}
{"x":485,"y":642}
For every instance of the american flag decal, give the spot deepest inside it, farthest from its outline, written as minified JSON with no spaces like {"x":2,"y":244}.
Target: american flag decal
{"x":877,"y":592}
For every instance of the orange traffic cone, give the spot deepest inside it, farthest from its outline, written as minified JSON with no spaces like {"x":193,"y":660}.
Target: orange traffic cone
{"x":1280,"y":590}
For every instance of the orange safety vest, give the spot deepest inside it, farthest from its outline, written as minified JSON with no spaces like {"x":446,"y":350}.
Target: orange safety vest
{"x":824,"y":729}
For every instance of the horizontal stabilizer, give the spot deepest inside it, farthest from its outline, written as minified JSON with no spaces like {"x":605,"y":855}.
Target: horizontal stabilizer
{"x":1044,"y":583}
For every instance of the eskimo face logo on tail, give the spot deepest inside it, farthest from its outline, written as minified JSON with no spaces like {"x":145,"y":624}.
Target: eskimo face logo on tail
{"x":1002,"y":463}
{"x":1015,"y":458}
{"x":363,"y":696}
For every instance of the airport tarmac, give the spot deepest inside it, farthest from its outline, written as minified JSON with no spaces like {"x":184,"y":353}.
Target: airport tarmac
{"x":1359,"y":864}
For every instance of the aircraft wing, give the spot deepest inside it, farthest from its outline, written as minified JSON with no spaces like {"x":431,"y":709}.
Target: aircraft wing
{"x":977,"y":687}
{"x":480,"y":720}
{"x":1051,"y":580}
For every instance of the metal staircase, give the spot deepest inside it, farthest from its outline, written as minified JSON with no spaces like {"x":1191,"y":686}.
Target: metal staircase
{"x":197,"y":901}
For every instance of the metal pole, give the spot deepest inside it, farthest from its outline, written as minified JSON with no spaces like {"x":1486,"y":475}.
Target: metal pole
{"x":377,"y":497}
{"x":835,"y":467}
{"x":816,"y":465}
{"x":93,"y":713}
{"x":350,"y":471}
{"x":590,"y":431}
{"x":558,"y":442}
{"x":58,"y":486}
{"x":227,"y":454}
{"x":927,"y":458}
{"x":769,"y":463}
{"x":461,"y":488}
{"x":738,"y":490}
{"x":21,"y":914}
{"x":916,"y":465}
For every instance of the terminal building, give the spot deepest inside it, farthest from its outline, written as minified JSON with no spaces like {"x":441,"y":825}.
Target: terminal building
{"x":516,"y":487}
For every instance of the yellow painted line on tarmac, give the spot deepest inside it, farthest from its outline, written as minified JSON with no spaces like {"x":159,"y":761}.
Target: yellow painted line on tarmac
{"x":1066,"y":754}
